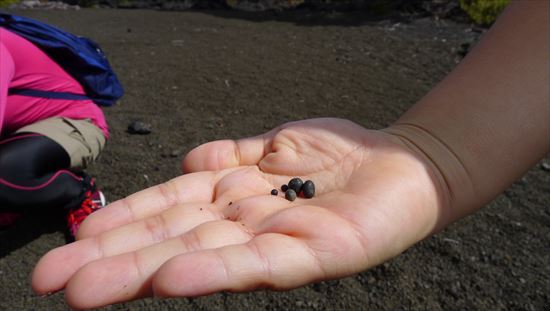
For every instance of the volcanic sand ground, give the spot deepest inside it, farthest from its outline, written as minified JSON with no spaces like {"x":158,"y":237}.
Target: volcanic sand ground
{"x":201,"y":76}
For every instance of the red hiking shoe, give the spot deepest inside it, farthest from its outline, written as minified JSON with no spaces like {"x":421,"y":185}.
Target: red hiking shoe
{"x":93,"y":200}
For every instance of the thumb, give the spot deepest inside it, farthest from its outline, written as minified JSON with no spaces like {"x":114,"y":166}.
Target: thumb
{"x":222,"y":154}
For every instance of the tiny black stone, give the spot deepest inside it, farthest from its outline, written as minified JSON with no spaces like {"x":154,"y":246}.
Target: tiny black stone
{"x":139,"y":127}
{"x":274,"y":192}
{"x":290,"y":195}
{"x":284,"y":188}
{"x":295,"y":184}
{"x":308,"y":189}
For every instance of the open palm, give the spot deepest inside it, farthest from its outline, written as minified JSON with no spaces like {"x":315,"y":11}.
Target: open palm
{"x":218,"y":227}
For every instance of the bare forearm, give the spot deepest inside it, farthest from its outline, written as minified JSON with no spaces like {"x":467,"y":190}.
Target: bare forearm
{"x":488,"y":121}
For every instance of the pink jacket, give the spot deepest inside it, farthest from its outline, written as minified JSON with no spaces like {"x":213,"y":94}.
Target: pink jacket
{"x":23,"y":65}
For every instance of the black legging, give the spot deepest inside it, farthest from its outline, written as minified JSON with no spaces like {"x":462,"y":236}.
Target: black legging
{"x":34,"y":173}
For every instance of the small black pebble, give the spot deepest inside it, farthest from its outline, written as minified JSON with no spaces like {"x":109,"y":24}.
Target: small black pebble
{"x":274,"y":192}
{"x":290,"y":195}
{"x":308,"y":189}
{"x":295,"y":184}
{"x":138,"y":127}
{"x":284,"y":188}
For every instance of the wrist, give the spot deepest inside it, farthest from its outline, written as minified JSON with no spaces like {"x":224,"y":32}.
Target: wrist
{"x":451,"y":178}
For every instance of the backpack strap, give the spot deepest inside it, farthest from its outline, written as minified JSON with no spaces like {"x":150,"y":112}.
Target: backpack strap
{"x":48,"y":94}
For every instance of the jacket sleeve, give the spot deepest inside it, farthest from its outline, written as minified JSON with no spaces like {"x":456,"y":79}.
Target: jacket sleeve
{"x":7,"y":70}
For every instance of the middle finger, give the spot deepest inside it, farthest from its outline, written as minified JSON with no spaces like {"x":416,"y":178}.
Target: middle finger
{"x":128,"y":276}
{"x":137,"y":235}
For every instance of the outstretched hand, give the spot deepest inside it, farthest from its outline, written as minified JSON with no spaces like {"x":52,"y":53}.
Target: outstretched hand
{"x":218,"y":228}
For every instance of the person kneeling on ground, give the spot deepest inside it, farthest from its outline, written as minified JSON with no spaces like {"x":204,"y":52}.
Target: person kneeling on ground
{"x":45,"y":143}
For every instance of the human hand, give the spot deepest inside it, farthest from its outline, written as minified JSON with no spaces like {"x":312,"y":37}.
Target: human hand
{"x":219,"y":229}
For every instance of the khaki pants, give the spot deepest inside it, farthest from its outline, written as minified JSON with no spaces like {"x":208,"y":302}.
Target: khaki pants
{"x":82,"y":140}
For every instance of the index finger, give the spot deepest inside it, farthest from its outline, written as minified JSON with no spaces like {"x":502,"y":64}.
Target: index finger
{"x":190,"y":188}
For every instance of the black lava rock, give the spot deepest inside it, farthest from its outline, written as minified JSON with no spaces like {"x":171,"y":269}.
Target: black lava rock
{"x":274,"y":192}
{"x":295,"y":184}
{"x":138,"y":127}
{"x":308,"y":189}
{"x":290,"y":195}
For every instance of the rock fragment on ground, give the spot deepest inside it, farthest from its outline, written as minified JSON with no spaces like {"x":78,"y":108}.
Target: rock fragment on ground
{"x":139,"y":127}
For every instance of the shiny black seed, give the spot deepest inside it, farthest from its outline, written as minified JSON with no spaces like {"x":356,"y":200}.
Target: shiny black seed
{"x":284,"y":188}
{"x":295,"y":184}
{"x":308,"y":189}
{"x":290,"y":195}
{"x":274,"y":192}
